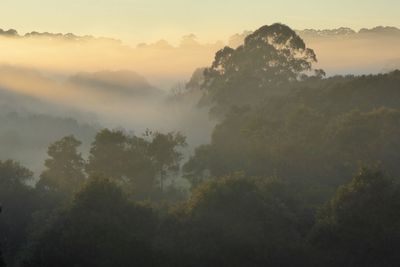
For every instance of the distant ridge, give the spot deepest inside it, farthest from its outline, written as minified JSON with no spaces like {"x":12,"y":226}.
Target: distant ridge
{"x":12,"y":33}
{"x":343,"y":31}
{"x":234,"y":40}
{"x":122,"y":83}
{"x":383,"y":31}
{"x":328,"y":32}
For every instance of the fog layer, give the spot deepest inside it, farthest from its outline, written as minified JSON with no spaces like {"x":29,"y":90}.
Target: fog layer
{"x":103,"y":82}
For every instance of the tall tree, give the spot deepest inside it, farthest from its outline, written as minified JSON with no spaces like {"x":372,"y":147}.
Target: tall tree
{"x":269,"y":57}
{"x":108,"y":154}
{"x":164,"y":150}
{"x":124,"y":159}
{"x":64,"y":168}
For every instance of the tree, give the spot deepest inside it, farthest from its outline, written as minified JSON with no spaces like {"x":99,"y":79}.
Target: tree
{"x":367,"y":137}
{"x":64,"y":169}
{"x":164,"y":150}
{"x":316,"y":135}
{"x":238,"y":221}
{"x":13,"y":173}
{"x":141,"y":164}
{"x":107,"y":154}
{"x":125,"y":159}
{"x":199,"y":166}
{"x":360,"y":225}
{"x":269,"y":57}
{"x":100,"y":228}
{"x":18,"y":201}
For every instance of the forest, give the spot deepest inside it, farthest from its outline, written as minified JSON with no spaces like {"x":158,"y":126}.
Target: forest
{"x":300,"y":169}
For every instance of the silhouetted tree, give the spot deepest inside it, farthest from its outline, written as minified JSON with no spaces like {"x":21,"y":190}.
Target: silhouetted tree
{"x":125,"y":159}
{"x":64,"y":169}
{"x":200,"y":167}
{"x":108,"y":150}
{"x":164,"y":150}
{"x":270,"y":56}
{"x":138,"y":163}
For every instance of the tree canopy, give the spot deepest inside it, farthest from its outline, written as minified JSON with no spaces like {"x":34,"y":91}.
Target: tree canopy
{"x":64,"y":168}
{"x":100,"y":228}
{"x":275,"y":186}
{"x":141,"y":164}
{"x":271,"y":56}
{"x":360,"y":225}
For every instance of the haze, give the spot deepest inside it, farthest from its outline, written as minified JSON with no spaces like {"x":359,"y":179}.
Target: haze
{"x":199,"y":133}
{"x":139,"y":20}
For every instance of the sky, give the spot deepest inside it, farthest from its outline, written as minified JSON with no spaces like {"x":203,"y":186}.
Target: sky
{"x":148,"y":20}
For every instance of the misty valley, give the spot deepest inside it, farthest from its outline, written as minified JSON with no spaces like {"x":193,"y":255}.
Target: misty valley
{"x":277,"y":147}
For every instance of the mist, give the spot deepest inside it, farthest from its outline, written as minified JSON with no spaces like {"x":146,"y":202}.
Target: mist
{"x":345,"y":51}
{"x":60,"y":55}
{"x":107,"y":99}
{"x":105,"y":83}
{"x":339,"y":51}
{"x":276,"y":147}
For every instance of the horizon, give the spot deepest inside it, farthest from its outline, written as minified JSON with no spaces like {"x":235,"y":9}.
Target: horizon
{"x":199,"y":133}
{"x":135,"y":21}
{"x":190,"y":35}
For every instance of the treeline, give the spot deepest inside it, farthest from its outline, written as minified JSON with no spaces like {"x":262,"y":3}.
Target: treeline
{"x":273,"y":188}
{"x":141,"y":166}
{"x":235,"y":220}
{"x":316,"y":135}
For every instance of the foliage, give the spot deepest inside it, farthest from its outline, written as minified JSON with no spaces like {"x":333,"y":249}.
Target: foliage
{"x":164,"y":152}
{"x":271,"y":56}
{"x":64,"y":169}
{"x":141,"y":164}
{"x":124,"y":159}
{"x":277,"y":119}
{"x":311,"y":136}
{"x":100,"y":228}
{"x":239,"y":221}
{"x":18,"y":201}
{"x":360,"y":225}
